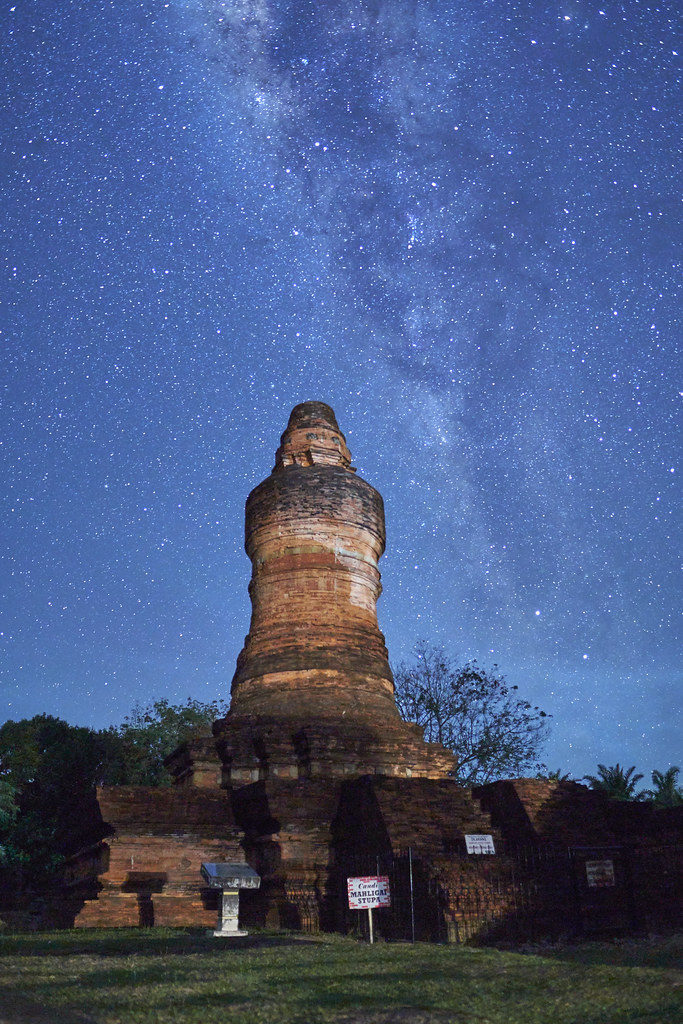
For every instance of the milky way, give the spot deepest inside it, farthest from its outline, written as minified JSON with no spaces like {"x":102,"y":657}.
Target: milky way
{"x":454,"y":223}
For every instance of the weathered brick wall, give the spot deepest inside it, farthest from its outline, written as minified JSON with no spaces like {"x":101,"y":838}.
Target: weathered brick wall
{"x":528,"y":810}
{"x":147,"y":870}
{"x":432,"y":816}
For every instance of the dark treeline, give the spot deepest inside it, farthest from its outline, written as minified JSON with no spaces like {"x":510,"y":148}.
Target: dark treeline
{"x":49,"y":771}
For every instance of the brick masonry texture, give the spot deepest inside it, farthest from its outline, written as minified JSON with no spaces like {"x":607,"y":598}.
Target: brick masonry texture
{"x":313,"y":691}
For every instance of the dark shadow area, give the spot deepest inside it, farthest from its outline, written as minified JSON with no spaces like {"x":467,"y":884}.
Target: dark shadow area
{"x":251,"y":810}
{"x":302,"y":749}
{"x":362,"y":846}
{"x":33,"y":897}
{"x":660,"y":953}
{"x":144,"y":884}
{"x":359,"y":829}
{"x":19,"y":1009}
{"x":507,"y":811}
{"x":293,"y":892}
{"x":128,"y":941}
{"x":574,"y":835}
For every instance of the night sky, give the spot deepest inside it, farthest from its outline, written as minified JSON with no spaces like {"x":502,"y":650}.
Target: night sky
{"x":453,"y":222}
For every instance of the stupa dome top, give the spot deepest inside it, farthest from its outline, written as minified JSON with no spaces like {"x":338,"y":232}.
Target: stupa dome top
{"x":312,"y":438}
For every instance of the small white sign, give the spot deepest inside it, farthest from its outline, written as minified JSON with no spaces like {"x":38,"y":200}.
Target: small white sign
{"x":600,"y":873}
{"x":368,"y":892}
{"x":479,"y":844}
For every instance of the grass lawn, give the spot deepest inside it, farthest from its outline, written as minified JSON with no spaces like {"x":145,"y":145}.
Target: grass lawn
{"x":184,"y":977}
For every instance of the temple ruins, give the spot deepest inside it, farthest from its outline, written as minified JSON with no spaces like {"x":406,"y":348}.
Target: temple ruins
{"x":313,"y":774}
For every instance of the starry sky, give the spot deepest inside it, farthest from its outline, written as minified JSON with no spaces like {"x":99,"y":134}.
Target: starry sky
{"x":453,"y":222}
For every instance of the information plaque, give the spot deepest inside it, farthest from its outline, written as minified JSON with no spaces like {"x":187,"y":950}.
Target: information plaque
{"x":479,"y":844}
{"x":600,"y":873}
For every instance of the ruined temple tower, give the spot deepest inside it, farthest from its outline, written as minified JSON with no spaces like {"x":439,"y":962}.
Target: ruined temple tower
{"x":312,"y":718}
{"x":283,"y":780}
{"x":312,"y":776}
{"x":313,"y":693}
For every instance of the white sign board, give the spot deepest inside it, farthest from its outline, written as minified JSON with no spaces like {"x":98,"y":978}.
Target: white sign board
{"x":479,"y":844}
{"x":368,"y":892}
{"x":600,"y":873}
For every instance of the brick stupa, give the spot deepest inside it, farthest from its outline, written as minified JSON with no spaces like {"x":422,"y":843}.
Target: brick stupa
{"x":313,"y":694}
{"x":312,"y":708}
{"x":313,"y":775}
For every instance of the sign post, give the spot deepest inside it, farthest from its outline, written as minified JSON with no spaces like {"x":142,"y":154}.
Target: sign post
{"x":368,"y":892}
{"x":412,"y":895}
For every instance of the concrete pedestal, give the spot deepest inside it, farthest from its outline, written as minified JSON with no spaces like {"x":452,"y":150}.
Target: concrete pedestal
{"x":228,"y":917}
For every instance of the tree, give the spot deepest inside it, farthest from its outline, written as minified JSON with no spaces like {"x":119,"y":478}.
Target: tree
{"x":665,"y":793}
{"x":616,"y":782}
{"x":8,"y":815}
{"x":48,"y":773}
{"x":475,"y":713}
{"x":555,"y":776}
{"x":151,"y":733}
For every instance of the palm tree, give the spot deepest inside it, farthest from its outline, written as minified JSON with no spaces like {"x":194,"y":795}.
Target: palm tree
{"x":616,"y":782}
{"x":556,"y":776}
{"x":665,"y":793}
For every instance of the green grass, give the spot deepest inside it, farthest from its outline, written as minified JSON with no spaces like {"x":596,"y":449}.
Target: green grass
{"x":184,"y":977}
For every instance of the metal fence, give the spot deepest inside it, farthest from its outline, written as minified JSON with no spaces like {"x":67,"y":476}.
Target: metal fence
{"x":519,"y":894}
